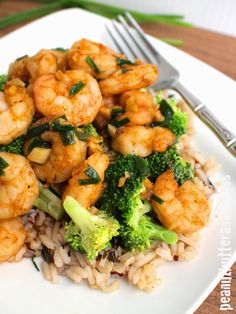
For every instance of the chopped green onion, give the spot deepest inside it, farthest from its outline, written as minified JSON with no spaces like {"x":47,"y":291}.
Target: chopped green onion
{"x":3,"y":80}
{"x":57,"y":127}
{"x":116,"y":111}
{"x":94,"y":177}
{"x":119,"y":123}
{"x":67,"y":131}
{"x":92,"y":64}
{"x":96,"y":7}
{"x":38,"y":142}
{"x":22,"y":57}
{"x":124,"y":70}
{"x":122,"y":62}
{"x":157,"y":199}
{"x":166,"y":109}
{"x":3,"y":165}
{"x":35,"y":265}
{"x":81,"y":136}
{"x":60,"y":49}
{"x":76,"y":88}
{"x":68,"y":137}
{"x":154,"y":124}
{"x":37,"y":130}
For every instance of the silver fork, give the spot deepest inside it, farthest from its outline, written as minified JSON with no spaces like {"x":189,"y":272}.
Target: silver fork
{"x":126,"y":39}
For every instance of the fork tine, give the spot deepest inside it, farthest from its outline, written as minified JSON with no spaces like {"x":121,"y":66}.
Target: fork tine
{"x":127,"y":28}
{"x":124,"y":39}
{"x":119,"y":48}
{"x":141,"y":33}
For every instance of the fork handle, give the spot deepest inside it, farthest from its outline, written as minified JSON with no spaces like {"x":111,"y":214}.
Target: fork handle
{"x":227,"y":138}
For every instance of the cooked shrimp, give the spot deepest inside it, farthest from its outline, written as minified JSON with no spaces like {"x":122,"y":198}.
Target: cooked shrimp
{"x":62,"y":159}
{"x":87,"y":195}
{"x":12,"y":238}
{"x":139,"y":107}
{"x":140,"y":140}
{"x":46,"y":62}
{"x":57,"y":95}
{"x":137,"y":76}
{"x":163,"y":138}
{"x":185,"y":209}
{"x":137,"y":140}
{"x":18,"y":69}
{"x":103,"y":57}
{"x":104,"y":114}
{"x":16,"y":111}
{"x":18,"y":186}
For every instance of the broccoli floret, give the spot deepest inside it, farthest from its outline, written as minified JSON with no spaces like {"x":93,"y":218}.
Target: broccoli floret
{"x":90,"y":130}
{"x":142,"y":237}
{"x":160,"y":162}
{"x":94,"y":232}
{"x":73,"y":238}
{"x":182,"y":169}
{"x":175,"y":119}
{"x":123,"y":199}
{"x":15,"y":147}
{"x":3,"y":80}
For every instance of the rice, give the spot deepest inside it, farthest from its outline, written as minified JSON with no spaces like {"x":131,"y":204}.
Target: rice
{"x":139,"y":269}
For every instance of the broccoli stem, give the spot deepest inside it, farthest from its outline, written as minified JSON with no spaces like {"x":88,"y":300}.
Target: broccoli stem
{"x":79,"y":215}
{"x":163,"y":234}
{"x":141,"y":209}
{"x":49,"y":203}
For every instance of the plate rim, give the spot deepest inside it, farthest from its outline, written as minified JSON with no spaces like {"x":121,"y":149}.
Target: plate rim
{"x":201,"y":298}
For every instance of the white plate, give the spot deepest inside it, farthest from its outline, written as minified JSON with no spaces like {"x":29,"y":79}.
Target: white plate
{"x":184,"y":285}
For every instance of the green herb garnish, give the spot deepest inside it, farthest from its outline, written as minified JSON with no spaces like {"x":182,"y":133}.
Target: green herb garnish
{"x":67,"y":131}
{"x":157,"y":199}
{"x":37,"y":130}
{"x":94,"y":177}
{"x":22,"y":57}
{"x":38,"y":142}
{"x":76,"y":88}
{"x":119,"y":123}
{"x":103,"y":9}
{"x":122,"y":62}
{"x":116,"y":111}
{"x":124,"y":70}
{"x":57,"y":127}
{"x":35,"y":265}
{"x":68,"y":137}
{"x":60,"y":49}
{"x":166,"y":109}
{"x":81,"y":136}
{"x":3,"y":165}
{"x":92,"y":64}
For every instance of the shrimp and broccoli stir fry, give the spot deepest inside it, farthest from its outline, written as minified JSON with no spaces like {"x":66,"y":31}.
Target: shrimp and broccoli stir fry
{"x":82,"y":139}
